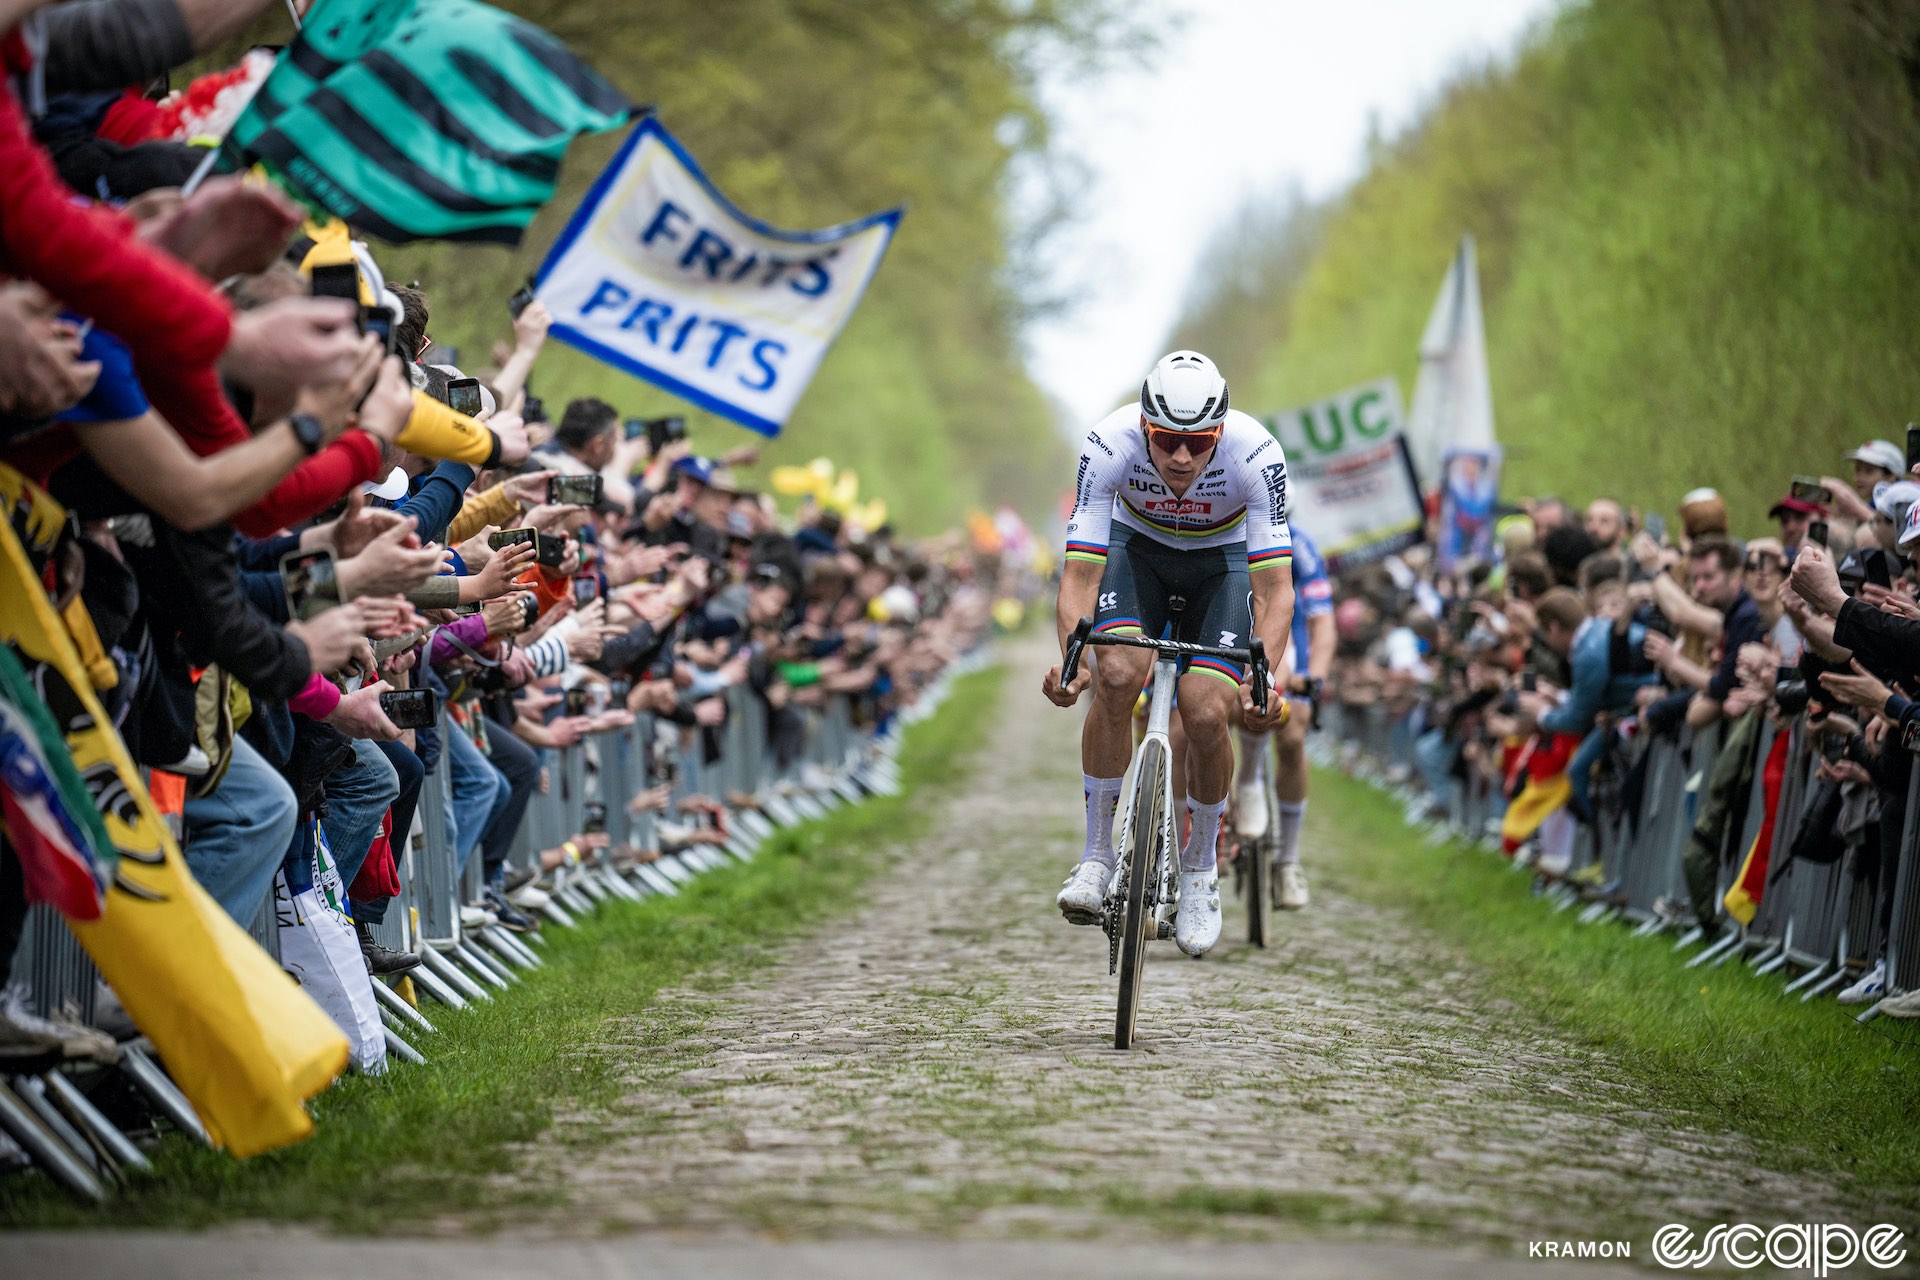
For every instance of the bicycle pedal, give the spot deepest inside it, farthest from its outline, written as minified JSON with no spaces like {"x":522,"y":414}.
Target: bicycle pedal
{"x":1165,"y":931}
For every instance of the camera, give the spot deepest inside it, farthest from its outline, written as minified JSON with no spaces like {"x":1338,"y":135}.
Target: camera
{"x":1791,"y":692}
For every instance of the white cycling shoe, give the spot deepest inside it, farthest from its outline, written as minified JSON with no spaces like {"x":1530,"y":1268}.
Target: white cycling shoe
{"x":1196,"y":924}
{"x":1250,"y":809}
{"x":1085,"y":893}
{"x":1292,"y":884}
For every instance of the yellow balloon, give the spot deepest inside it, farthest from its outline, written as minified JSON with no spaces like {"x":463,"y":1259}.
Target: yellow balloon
{"x":794,"y":481}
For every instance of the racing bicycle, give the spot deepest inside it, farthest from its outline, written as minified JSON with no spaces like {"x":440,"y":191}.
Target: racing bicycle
{"x":1143,"y":895}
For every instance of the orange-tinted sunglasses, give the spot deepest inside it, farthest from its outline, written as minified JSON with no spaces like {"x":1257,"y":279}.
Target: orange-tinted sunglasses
{"x":1170,"y":441}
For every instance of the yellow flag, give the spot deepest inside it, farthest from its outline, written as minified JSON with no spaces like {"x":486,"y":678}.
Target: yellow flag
{"x":244,"y":1043}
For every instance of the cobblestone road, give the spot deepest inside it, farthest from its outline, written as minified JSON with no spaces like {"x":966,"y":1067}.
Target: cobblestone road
{"x":939,"y":1062}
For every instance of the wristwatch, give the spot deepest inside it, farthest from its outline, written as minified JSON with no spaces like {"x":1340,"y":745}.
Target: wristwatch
{"x":309,"y":431}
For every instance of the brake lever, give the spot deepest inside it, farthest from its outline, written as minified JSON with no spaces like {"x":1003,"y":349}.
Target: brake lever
{"x":1070,"y":665}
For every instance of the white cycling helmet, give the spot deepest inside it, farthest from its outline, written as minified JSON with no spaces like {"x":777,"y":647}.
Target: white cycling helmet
{"x":1184,"y":392}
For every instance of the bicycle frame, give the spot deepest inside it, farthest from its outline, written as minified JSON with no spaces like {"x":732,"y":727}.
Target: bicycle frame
{"x":1159,"y":722}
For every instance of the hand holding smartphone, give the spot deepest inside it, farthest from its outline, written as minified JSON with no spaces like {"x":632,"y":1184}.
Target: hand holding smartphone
{"x":410,"y":708}
{"x":311,"y":582}
{"x":579,"y":491}
{"x":463,"y":396}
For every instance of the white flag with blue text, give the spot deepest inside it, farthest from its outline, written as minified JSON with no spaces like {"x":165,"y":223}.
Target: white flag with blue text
{"x":660,"y":275}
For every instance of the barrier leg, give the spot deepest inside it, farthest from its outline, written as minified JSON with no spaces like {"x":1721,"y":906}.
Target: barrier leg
{"x":161,"y":1092}
{"x":21,"y":1123}
{"x":97,"y":1127}
{"x":391,"y":1003}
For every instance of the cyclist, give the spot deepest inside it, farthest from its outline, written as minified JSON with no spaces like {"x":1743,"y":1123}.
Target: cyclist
{"x":1179,"y":517}
{"x":1310,"y":658}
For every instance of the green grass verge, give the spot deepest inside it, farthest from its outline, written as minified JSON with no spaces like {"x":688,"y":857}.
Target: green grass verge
{"x":426,"y":1141}
{"x":1719,"y":1047}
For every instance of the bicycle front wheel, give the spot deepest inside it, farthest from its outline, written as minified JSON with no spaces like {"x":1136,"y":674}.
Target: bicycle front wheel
{"x":1259,"y":888}
{"x":1143,"y":869}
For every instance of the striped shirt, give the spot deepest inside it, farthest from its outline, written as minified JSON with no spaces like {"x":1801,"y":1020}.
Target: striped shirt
{"x":1241,"y":496}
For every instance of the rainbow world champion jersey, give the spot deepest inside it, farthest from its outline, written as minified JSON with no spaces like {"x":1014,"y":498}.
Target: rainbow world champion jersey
{"x":1241,"y":497}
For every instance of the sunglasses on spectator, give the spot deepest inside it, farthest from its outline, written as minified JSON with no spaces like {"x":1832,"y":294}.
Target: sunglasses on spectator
{"x":1171,"y":441}
{"x":1765,"y":564}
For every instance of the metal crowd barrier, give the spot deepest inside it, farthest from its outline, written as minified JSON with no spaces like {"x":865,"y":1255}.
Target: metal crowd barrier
{"x":50,"y":1120}
{"x":1819,"y":924}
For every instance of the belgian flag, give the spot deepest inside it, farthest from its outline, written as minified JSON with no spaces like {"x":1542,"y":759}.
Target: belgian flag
{"x":423,"y":119}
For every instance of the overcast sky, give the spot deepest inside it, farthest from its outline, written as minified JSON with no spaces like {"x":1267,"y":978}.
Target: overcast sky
{"x":1243,"y":97}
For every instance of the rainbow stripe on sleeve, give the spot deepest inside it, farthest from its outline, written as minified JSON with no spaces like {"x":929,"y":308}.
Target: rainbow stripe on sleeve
{"x":1271,"y":558}
{"x":1093,"y":551}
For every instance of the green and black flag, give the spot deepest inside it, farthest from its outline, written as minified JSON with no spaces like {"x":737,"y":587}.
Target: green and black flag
{"x":423,"y":119}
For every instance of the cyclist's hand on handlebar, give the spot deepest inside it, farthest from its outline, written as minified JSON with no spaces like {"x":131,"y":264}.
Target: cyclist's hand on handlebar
{"x":1278,"y":709}
{"x":1051,"y":685}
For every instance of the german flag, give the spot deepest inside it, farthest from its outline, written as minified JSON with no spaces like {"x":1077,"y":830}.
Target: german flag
{"x":423,"y":119}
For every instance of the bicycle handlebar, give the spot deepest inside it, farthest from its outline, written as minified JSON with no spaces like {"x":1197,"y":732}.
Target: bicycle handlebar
{"x":1254,"y":655}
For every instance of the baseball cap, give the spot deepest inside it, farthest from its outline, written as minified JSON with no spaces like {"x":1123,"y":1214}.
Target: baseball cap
{"x":1893,"y":498}
{"x":1800,"y":505}
{"x":695,"y":468}
{"x":1909,"y":539}
{"x":394,"y":487}
{"x":1884,"y":454}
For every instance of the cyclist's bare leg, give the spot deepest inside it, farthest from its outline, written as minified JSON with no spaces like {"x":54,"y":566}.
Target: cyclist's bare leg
{"x":1106,"y":742}
{"x":1209,"y":706}
{"x":1106,"y":739}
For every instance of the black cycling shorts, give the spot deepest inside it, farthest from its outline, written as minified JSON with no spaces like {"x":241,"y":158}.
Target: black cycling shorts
{"x":1202,"y":593}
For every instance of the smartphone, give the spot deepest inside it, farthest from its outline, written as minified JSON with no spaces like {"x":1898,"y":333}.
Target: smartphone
{"x":341,"y":280}
{"x":1529,"y":682}
{"x":593,"y":818}
{"x":1656,"y":527}
{"x":501,"y":538}
{"x":312,"y":585}
{"x":1817,"y":532}
{"x":534,"y":410}
{"x":664,"y":431}
{"x":379,"y":322}
{"x":579,"y":491}
{"x":1809,"y":489}
{"x":1879,"y":570}
{"x":410,"y":708}
{"x":634,"y":428}
{"x":618,"y":691}
{"x":549,"y":551}
{"x":576,"y":702}
{"x":1913,"y":446}
{"x":521,"y":300}
{"x":463,"y":396}
{"x":586,"y":589}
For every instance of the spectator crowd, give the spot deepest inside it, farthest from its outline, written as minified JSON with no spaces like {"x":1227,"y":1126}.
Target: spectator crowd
{"x":274,"y":555}
{"x":1537,"y":678}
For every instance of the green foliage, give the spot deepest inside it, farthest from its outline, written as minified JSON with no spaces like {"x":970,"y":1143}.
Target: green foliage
{"x":447,"y":1136}
{"x":808,"y":113}
{"x":1699,"y":238}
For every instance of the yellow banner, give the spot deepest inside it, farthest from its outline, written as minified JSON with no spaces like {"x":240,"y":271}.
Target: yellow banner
{"x":238,"y":1036}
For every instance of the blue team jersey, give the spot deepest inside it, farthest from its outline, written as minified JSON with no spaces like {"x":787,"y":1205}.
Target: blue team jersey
{"x":1312,"y":595}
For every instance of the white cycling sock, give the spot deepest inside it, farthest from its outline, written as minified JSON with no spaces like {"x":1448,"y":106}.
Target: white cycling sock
{"x":1103,"y":797}
{"x":1253,"y":758}
{"x":1205,"y":836}
{"x":1287,"y":854}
